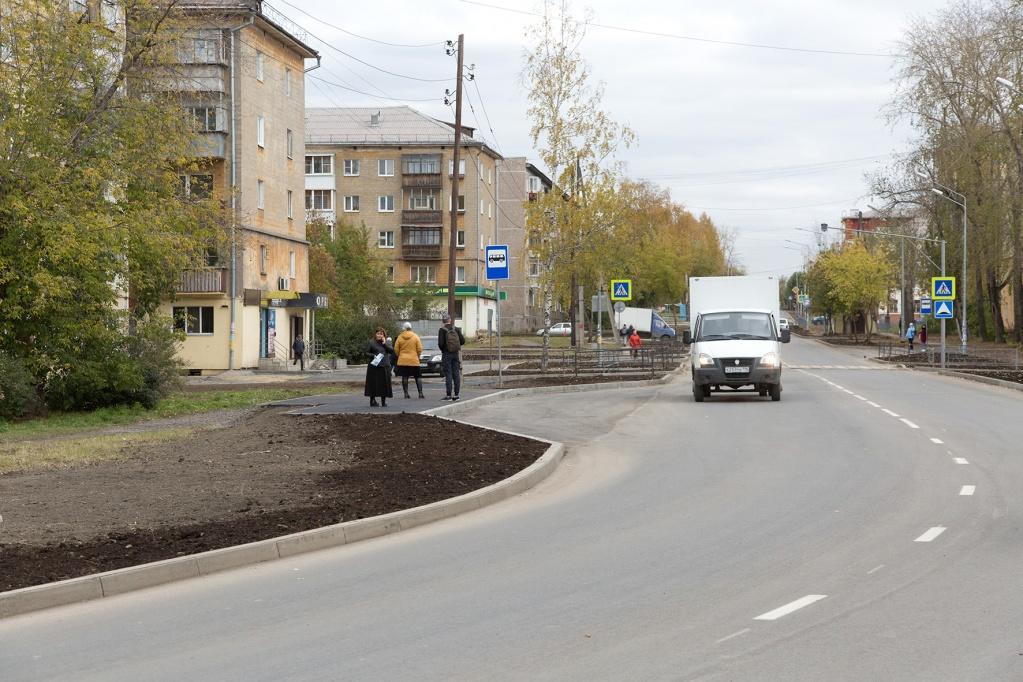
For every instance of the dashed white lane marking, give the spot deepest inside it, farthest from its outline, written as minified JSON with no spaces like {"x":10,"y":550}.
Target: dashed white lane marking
{"x":961,"y":460}
{"x":790,"y":607}
{"x":888,"y":412}
{"x":931,"y":534}
{"x":875,"y":569}
{"x":968,"y":490}
{"x":733,"y":635}
{"x":873,"y":404}
{"x":937,"y":441}
{"x":909,"y":423}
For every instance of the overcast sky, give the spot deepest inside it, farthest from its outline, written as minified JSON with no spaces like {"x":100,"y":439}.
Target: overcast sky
{"x":763,"y":140}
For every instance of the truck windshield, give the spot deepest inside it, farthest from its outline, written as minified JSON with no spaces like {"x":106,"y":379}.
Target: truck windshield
{"x":735,"y":325}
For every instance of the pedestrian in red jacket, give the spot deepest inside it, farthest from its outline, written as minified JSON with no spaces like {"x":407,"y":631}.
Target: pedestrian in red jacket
{"x":635,"y":343}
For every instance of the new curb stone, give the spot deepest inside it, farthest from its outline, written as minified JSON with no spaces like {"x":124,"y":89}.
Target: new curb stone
{"x":120,"y":581}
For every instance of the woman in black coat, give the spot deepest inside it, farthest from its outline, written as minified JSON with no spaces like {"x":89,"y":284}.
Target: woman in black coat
{"x":378,"y":376}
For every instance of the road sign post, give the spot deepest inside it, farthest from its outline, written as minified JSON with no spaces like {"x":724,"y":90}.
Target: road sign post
{"x":497,"y":270}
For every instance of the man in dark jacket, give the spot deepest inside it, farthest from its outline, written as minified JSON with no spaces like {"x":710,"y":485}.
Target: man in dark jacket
{"x":298,"y":351}
{"x":451,"y":340}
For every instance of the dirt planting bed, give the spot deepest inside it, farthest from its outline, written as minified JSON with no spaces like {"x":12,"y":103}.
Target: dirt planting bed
{"x":265,"y":475}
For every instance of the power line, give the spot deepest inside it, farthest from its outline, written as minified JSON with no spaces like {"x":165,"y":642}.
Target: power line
{"x":356,"y":35}
{"x":773,"y":208}
{"x":369,"y":94}
{"x":711,"y":175}
{"x":483,"y":106}
{"x":697,"y":39}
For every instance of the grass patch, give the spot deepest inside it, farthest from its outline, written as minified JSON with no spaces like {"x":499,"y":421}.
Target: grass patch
{"x":177,"y":404}
{"x":68,"y":452}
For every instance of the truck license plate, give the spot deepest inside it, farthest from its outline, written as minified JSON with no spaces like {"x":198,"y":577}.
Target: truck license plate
{"x":736,"y":370}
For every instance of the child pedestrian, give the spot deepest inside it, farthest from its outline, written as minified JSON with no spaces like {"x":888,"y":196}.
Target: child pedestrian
{"x":910,"y":335}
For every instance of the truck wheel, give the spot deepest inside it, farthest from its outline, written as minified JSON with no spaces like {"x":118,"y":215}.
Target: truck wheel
{"x":775,"y":392}
{"x":698,"y":394}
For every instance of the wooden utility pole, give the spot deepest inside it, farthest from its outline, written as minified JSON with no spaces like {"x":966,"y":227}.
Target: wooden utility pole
{"x":453,"y":237}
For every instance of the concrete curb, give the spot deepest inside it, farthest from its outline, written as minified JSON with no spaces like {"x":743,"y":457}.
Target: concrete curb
{"x":990,"y":381}
{"x":508,"y":393}
{"x":120,"y":581}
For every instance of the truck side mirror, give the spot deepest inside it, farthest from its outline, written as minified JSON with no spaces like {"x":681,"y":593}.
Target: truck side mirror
{"x":687,"y":337}
{"x":786,"y":336}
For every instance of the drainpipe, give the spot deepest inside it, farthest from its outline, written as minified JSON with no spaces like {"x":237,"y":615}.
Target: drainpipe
{"x":234,"y":197}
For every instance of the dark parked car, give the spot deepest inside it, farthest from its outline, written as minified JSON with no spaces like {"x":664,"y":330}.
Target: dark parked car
{"x":429,"y":361}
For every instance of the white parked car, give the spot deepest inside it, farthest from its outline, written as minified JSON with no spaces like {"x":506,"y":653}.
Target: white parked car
{"x":783,"y":323}
{"x":559,"y":329}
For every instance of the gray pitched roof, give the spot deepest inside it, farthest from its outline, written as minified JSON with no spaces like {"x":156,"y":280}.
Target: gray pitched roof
{"x":381,"y":126}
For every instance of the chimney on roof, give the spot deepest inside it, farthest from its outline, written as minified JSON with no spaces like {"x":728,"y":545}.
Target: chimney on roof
{"x":374,"y":120}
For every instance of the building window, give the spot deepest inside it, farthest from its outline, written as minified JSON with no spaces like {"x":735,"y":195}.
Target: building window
{"x":352,"y":203}
{"x":319,"y":164}
{"x":291,"y":144}
{"x":532,"y":298}
{"x":390,"y":273}
{"x":197,"y":186}
{"x":461,"y":166}
{"x":291,"y":205}
{"x":461,"y":203}
{"x":459,"y":274}
{"x":319,"y":200}
{"x":292,"y":265}
{"x":194,"y":320}
{"x":533,"y":184}
{"x":204,"y":50}
{"x":385,"y":168}
{"x":385,"y":240}
{"x":351,"y":167}
{"x":260,"y":195}
{"x":385,"y":204}
{"x":260,"y":131}
{"x":287,"y":82}
{"x":481,"y":207}
{"x":422,"y":199}
{"x":205,"y":118}
{"x":490,"y":210}
{"x":423,"y":274}
{"x":259,"y":66}
{"x":460,"y":239}
{"x":264,"y":258}
{"x":534,"y":267}
{"x":421,"y":164}
{"x":490,"y":176}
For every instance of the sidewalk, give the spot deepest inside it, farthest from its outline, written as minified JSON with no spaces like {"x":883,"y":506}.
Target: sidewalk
{"x":356,"y":403}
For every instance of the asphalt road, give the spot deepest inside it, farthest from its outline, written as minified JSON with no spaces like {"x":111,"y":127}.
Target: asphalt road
{"x":825,"y":537}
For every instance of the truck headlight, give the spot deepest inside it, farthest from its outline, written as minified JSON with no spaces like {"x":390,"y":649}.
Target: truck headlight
{"x":705,"y":360}
{"x":770,"y":360}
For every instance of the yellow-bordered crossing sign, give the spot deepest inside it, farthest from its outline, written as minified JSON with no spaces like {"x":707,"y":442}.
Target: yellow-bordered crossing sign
{"x":621,"y":290}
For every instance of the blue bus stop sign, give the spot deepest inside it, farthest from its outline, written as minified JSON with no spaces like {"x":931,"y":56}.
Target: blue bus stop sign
{"x":497,"y":262}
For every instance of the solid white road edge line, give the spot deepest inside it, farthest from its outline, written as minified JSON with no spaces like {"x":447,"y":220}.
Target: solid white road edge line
{"x":909,"y":423}
{"x":733,"y":636}
{"x":875,"y":569}
{"x":873,"y":404}
{"x":937,"y":441}
{"x":961,"y":460}
{"x":888,"y":412}
{"x":931,"y":534}
{"x":858,"y":397}
{"x":790,"y":607}
{"x":968,"y":490}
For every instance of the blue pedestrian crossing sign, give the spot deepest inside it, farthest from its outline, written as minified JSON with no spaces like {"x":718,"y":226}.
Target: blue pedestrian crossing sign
{"x":925,"y":306}
{"x":497,"y":262}
{"x":943,"y":310}
{"x":943,"y":288}
{"x":621,"y":290}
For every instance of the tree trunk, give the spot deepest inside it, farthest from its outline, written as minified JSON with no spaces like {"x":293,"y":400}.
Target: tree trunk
{"x":995,"y":300}
{"x":978,"y":305}
{"x":1016,"y":284}
{"x":548,"y":306}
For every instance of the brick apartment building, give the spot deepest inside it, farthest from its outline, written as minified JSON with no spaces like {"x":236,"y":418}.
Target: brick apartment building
{"x":390,"y":169}
{"x":242,"y":77}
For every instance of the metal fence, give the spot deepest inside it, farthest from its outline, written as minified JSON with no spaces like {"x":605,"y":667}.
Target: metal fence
{"x":993,"y":359}
{"x":613,"y":360}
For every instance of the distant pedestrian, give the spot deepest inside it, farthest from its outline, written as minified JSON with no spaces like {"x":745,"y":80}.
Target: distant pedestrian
{"x":923,"y":335}
{"x":378,"y":370}
{"x":628,"y":333}
{"x":298,"y":352}
{"x":624,"y":333}
{"x":635,"y":343}
{"x":450,"y":339}
{"x":910,"y":335}
{"x":409,"y":347}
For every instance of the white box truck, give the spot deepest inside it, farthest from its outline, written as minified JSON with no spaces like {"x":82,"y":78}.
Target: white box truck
{"x":736,"y":342}
{"x":647,"y":322}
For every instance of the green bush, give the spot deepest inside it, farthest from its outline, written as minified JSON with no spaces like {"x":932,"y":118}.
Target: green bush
{"x":348,"y":337}
{"x":18,"y":394}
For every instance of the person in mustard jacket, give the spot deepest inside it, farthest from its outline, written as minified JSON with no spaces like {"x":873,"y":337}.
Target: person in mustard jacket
{"x":409,"y":347}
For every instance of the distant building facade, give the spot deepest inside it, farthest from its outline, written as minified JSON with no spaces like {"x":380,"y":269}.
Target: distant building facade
{"x":390,"y":169}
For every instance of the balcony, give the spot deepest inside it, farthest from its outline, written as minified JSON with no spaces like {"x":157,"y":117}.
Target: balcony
{"x":209,"y":145}
{"x":318,"y":215}
{"x":422,"y":217}
{"x":421,"y":251}
{"x":203,"y":281}
{"x":421,"y":243}
{"x":421,"y":180}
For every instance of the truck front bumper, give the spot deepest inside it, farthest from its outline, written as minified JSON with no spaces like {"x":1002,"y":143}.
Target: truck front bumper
{"x":715,"y":376}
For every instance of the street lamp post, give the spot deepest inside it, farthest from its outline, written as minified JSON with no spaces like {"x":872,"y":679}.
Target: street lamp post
{"x":951,"y":195}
